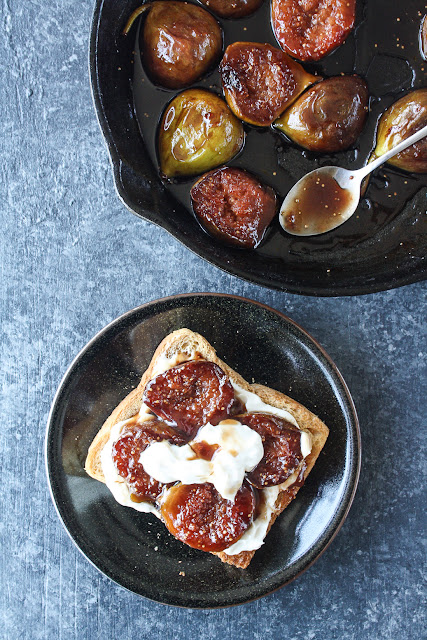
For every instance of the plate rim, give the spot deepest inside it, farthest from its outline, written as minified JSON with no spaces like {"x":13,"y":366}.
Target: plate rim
{"x":354,"y":474}
{"x":118,"y":162}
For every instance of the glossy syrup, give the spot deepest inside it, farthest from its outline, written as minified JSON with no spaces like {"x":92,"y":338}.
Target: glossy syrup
{"x":318,"y":204}
{"x":384,"y":49}
{"x":204,"y":450}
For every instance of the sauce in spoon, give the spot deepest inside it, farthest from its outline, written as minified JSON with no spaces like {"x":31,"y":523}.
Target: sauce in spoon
{"x":316,"y":204}
{"x":326,"y":197}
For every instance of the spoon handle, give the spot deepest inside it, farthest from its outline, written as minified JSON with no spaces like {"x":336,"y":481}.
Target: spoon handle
{"x":397,"y":149}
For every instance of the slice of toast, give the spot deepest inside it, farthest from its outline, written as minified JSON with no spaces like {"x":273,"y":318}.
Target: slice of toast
{"x":186,"y":345}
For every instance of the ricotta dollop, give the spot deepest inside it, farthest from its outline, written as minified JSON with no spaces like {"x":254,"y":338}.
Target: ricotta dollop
{"x":239,"y":450}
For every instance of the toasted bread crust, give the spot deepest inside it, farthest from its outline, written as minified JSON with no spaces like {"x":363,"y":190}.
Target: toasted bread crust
{"x":188,"y":343}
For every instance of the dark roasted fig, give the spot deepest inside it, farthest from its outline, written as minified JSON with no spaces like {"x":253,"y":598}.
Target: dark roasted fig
{"x":179,"y":42}
{"x":234,"y":206}
{"x":329,"y":116}
{"x":310,"y":29}
{"x":260,"y":81}
{"x":402,"y":119}
{"x":126,"y":451}
{"x":232,"y":8}
{"x":190,"y":395}
{"x":197,"y":133}
{"x":199,"y":516}
{"x":281,"y":441}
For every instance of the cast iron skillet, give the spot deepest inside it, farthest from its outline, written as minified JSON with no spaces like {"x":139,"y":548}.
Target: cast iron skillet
{"x":383,"y":246}
{"x":135,"y":549}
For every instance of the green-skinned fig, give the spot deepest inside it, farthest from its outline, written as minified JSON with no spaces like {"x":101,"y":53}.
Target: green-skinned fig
{"x":197,"y":133}
{"x":402,"y":119}
{"x":329,"y":116}
{"x":179,"y":42}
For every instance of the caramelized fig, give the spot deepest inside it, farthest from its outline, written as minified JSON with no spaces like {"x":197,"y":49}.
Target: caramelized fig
{"x":282,"y":449}
{"x":403,"y":118}
{"x":310,"y":29}
{"x":234,"y":206}
{"x":232,"y":8}
{"x":190,"y":395}
{"x":260,"y":81}
{"x":329,"y":116}
{"x":197,"y":133}
{"x":127,"y":450}
{"x":179,"y":43}
{"x":197,"y":515}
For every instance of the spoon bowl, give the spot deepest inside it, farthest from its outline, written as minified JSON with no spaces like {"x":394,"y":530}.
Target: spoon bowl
{"x":327,"y":197}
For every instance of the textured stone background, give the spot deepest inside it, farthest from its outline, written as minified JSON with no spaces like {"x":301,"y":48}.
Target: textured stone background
{"x":72,"y":260}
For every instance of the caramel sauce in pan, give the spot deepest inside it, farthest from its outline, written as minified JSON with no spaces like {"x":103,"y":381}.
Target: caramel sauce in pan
{"x":394,"y":202}
{"x":319,"y":202}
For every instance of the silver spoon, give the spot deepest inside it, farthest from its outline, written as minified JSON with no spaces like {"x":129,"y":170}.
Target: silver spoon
{"x":326,"y":197}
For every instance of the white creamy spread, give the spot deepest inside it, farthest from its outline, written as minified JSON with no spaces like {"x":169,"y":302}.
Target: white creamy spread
{"x":305,"y":444}
{"x":239,"y":450}
{"x":254,"y":404}
{"x":168,"y":462}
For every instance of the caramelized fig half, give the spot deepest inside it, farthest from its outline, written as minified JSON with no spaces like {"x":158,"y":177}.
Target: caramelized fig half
{"x":261,"y":81}
{"x":310,"y":29}
{"x":329,"y":116}
{"x":179,"y":43}
{"x":234,"y":206}
{"x":402,"y":119}
{"x":190,"y":395}
{"x":197,"y":133}
{"x":126,"y":451}
{"x":232,"y":8}
{"x":197,"y":515}
{"x":282,"y":449}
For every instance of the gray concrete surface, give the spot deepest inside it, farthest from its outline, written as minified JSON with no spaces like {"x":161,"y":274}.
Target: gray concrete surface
{"x":73,"y":258}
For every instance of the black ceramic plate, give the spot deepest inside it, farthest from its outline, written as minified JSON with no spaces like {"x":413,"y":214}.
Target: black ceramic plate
{"x":135,"y":549}
{"x":381,"y":247}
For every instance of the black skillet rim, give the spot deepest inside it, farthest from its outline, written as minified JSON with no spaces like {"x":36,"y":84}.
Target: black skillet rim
{"x":367,"y":282}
